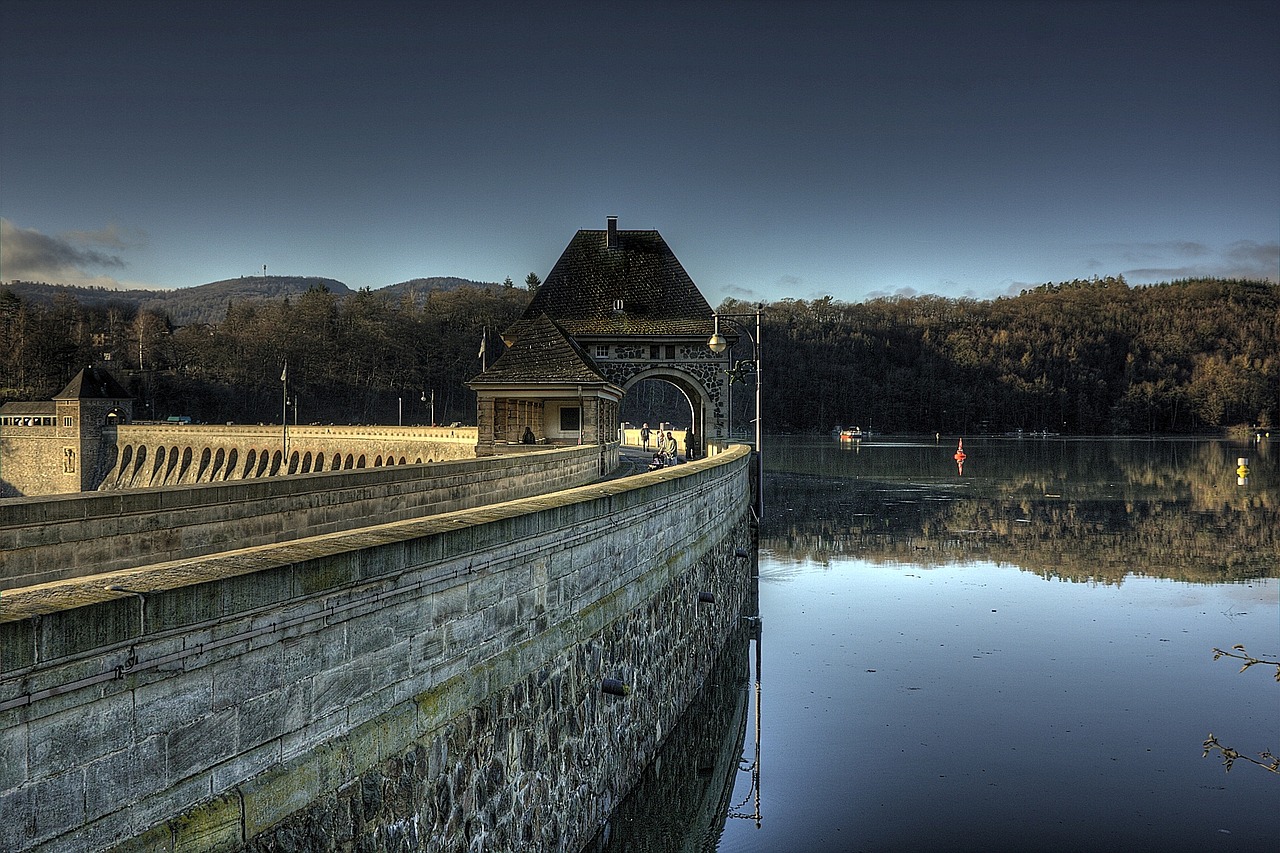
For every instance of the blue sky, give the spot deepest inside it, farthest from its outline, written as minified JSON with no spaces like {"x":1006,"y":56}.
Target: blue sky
{"x":783,"y":149}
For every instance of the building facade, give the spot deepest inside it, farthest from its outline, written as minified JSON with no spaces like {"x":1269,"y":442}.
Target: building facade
{"x":66,"y":444}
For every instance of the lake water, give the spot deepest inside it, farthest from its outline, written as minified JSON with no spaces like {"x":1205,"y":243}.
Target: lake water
{"x":1013,"y":654}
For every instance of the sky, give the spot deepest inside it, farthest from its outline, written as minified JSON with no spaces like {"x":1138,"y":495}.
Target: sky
{"x":783,"y":149}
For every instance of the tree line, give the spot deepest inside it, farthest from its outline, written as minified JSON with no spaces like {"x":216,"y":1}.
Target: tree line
{"x":1083,"y":357}
{"x":366,"y":357}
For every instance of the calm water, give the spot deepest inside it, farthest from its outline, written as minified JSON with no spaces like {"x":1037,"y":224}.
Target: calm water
{"x":1012,"y":656}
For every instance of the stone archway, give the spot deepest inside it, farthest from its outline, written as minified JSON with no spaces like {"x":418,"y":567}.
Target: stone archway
{"x":616,"y":309}
{"x":697,"y":396}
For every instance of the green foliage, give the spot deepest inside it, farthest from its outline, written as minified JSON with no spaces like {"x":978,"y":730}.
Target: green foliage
{"x":367,"y":357}
{"x":1082,"y":357}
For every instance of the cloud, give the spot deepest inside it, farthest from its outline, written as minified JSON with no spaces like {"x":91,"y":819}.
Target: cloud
{"x":71,"y":258}
{"x":112,"y":237}
{"x":905,"y":292}
{"x":1148,"y":263}
{"x":1254,"y":260}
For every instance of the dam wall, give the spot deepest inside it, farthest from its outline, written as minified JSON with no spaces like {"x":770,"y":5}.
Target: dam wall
{"x":487,"y":679}
{"x":148,"y":454}
{"x":74,"y":535}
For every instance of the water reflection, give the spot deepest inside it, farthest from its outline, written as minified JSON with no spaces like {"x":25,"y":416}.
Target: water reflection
{"x":1083,"y":510}
{"x":941,"y":679}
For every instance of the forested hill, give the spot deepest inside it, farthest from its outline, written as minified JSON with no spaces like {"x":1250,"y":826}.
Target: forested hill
{"x":207,"y":303}
{"x":1082,"y":357}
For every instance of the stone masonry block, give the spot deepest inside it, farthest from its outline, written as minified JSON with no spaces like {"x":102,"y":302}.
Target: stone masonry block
{"x":73,"y":738}
{"x":169,"y":704}
{"x":106,"y":623}
{"x":59,"y":804}
{"x":211,"y":827}
{"x":198,"y":746}
{"x":238,"y":679}
{"x":18,"y":825}
{"x":13,"y":756}
{"x":123,"y":776}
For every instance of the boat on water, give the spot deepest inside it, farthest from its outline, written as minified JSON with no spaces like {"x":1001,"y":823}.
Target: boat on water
{"x":851,"y":433}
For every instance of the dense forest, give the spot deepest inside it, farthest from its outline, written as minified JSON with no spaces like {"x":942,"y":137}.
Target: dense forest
{"x":366,"y":357}
{"x":1083,"y":357}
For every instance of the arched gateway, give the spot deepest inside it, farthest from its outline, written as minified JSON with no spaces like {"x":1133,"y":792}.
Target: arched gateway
{"x":617,"y":308}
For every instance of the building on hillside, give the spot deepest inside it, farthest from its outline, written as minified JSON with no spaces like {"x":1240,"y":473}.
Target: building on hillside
{"x":66,"y":444}
{"x":617,"y":308}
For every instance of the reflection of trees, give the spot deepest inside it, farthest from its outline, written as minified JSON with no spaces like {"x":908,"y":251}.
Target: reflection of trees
{"x":681,"y":802}
{"x":1189,"y":532}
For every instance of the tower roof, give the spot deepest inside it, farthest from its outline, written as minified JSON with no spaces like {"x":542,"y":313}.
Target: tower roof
{"x":93,"y":383}
{"x":619,"y":283}
{"x":542,"y":354}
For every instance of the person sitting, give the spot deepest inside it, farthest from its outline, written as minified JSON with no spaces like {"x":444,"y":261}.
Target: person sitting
{"x":528,"y":437}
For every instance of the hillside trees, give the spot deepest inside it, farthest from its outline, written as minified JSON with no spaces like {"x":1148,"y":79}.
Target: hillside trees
{"x":1081,"y":357}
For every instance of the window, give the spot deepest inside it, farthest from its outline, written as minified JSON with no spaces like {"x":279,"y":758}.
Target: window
{"x":570,"y":419}
{"x":66,"y":421}
{"x":655,"y":352}
{"x":602,"y":350}
{"x":671,"y":351}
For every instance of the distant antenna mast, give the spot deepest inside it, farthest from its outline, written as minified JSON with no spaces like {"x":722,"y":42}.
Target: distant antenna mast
{"x":264,"y":270}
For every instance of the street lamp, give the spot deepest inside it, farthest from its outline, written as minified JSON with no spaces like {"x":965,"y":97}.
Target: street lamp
{"x":737,"y":371}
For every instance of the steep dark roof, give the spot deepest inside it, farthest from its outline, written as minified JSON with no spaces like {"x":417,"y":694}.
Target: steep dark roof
{"x":22,"y":408}
{"x":658,"y":297}
{"x":93,"y":383}
{"x":542,"y":354}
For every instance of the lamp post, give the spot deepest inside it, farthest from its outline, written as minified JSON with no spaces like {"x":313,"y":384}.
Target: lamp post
{"x":737,"y":370}
{"x":284,"y":410}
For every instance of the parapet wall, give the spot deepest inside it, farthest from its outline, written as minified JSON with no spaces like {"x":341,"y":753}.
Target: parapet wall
{"x":65,"y":536}
{"x":434,"y":683}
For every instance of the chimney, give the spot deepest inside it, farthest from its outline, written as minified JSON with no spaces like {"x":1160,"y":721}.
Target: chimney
{"x":611,"y":240}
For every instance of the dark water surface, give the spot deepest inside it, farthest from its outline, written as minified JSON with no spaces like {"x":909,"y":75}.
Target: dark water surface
{"x":1017,"y":655}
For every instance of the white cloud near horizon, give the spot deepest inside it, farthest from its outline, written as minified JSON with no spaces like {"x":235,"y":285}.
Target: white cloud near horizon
{"x":75,"y":258}
{"x":1179,"y":259}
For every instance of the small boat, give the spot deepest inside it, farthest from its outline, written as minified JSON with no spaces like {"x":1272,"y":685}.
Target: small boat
{"x":852,"y":434}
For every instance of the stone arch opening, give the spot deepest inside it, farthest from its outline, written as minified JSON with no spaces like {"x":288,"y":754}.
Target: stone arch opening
{"x":306,"y":463}
{"x":171,"y":465}
{"x":156,"y":466}
{"x":141,"y":461}
{"x":126,"y":456}
{"x":666,"y":396}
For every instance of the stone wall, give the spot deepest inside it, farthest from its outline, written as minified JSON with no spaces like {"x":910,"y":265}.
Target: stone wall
{"x":435,"y":682}
{"x":47,"y":539}
{"x":145,"y":455}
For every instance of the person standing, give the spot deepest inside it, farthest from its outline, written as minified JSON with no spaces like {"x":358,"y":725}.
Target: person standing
{"x":644,"y":436}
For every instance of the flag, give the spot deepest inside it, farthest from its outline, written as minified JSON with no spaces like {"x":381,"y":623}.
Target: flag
{"x":481,"y":353}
